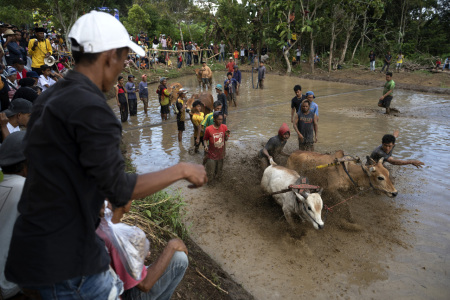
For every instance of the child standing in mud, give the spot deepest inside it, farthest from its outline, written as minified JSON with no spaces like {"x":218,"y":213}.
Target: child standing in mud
{"x":231,"y":86}
{"x":181,"y":114}
{"x":388,"y":93}
{"x":215,"y":137}
{"x":197,"y":118}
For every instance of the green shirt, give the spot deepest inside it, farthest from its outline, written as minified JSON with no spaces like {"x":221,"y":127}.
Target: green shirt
{"x":389,"y":86}
{"x":208,"y":120}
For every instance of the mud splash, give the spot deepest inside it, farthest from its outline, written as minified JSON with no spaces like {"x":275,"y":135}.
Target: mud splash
{"x":397,"y":248}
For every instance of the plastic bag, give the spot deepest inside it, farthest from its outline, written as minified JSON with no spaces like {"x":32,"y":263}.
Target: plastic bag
{"x":129,"y":241}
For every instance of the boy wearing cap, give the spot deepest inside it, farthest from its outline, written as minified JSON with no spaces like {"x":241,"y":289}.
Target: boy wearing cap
{"x":13,"y":164}
{"x":312,"y":105}
{"x":130,"y":87}
{"x":74,"y":163}
{"x":143,"y":92}
{"x":16,"y":116}
{"x":223,"y":99}
{"x":164,"y":100}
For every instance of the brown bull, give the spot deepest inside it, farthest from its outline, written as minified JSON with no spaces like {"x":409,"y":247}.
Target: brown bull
{"x":173,"y":89}
{"x":198,"y":73}
{"x":334,"y":178}
{"x":206,"y":99}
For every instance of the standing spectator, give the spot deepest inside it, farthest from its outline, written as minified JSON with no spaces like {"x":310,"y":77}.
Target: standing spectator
{"x":222,"y":51}
{"x":180,"y":60}
{"x":206,"y":75}
{"x":223,"y":99}
{"x":238,"y":76}
{"x":251,"y":54}
{"x":164,"y":100}
{"x":215,"y":137}
{"x":261,"y":75}
{"x":298,"y":54}
{"x":14,"y":50}
{"x":130,"y":87}
{"x":83,"y":137}
{"x":388,"y":93}
{"x":189,"y":54}
{"x":400,"y":58}
{"x":181,"y":112}
{"x":143,"y":92}
{"x":39,"y":48}
{"x":209,"y":120}
{"x":121,"y":99}
{"x":372,"y":60}
{"x":216,"y":51}
{"x":164,"y":42}
{"x":169,"y":42}
{"x":307,"y":127}
{"x":236,"y":55}
{"x":316,"y":59}
{"x":13,"y":164}
{"x":297,"y":101}
{"x":242,"y":52}
{"x":231,"y":85}
{"x":196,"y":49}
{"x":230,"y":65}
{"x":387,"y":61}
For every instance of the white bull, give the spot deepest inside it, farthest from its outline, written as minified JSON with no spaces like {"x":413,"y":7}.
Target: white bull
{"x":307,"y":206}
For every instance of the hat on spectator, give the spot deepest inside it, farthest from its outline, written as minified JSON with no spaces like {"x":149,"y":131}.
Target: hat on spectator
{"x":219,"y":87}
{"x":162,"y":79}
{"x":235,"y":67}
{"x":310,"y":93}
{"x":11,"y":150}
{"x":18,"y":61}
{"x":32,"y":74}
{"x":97,"y":32}
{"x":8,"y":32}
{"x":231,"y":58}
{"x":2,"y":24}
{"x":39,"y":29}
{"x":18,"y":106}
{"x":131,"y":76}
{"x":9,"y":71}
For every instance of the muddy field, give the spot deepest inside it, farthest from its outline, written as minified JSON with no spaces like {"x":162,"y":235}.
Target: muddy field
{"x":396,"y":248}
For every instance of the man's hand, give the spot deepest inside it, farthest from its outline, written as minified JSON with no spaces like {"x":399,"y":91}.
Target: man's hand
{"x":417,"y":163}
{"x":381,"y":98}
{"x":47,"y":54}
{"x":396,"y":133}
{"x":177,"y":245}
{"x":315,"y":139}
{"x":3,"y":119}
{"x":225,"y":116}
{"x":35,"y":43}
{"x":195,"y":174}
{"x":197,"y":141}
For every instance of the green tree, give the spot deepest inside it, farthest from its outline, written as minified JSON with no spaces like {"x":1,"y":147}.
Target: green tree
{"x":138,"y":20}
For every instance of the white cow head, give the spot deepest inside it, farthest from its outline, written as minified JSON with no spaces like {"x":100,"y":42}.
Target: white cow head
{"x":311,"y":207}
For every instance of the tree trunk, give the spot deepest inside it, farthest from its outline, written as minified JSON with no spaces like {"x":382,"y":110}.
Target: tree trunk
{"x":345,"y":47}
{"x":333,"y":38}
{"x":311,"y":57}
{"x":354,"y":50}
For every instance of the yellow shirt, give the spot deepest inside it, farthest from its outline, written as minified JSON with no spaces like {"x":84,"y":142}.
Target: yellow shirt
{"x":165,"y":98}
{"x":400,"y":58}
{"x":197,"y":119}
{"x":38,"y":55}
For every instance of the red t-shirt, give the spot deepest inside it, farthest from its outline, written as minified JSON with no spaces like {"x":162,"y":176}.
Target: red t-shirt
{"x":128,"y":281}
{"x":21,"y":75}
{"x":230,"y":66}
{"x":216,"y":138}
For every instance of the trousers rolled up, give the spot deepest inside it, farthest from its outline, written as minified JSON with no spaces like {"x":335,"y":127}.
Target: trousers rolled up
{"x":132,"y":105}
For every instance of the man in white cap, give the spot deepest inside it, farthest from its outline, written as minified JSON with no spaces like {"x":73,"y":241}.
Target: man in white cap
{"x":74,"y":164}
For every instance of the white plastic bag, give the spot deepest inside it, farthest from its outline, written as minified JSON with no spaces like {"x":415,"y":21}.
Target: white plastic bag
{"x":129,"y":241}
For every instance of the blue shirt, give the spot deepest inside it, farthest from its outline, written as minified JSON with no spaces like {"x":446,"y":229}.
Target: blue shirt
{"x":237,"y":75}
{"x":314,"y":108}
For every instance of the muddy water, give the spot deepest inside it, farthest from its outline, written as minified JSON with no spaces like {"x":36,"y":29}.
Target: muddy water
{"x":395,"y":249}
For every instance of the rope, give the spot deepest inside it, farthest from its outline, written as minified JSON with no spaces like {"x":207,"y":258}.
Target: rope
{"x":330,"y":209}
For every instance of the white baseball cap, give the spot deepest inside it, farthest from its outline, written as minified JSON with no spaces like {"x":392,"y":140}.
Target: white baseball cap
{"x":98,"y":32}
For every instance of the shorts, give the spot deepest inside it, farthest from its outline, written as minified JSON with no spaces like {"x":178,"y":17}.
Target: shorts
{"x":180,"y":125}
{"x":213,"y":168}
{"x":399,"y":65}
{"x":386,"y":102}
{"x":205,"y":80}
{"x":305,"y":146}
{"x":165,"y":109}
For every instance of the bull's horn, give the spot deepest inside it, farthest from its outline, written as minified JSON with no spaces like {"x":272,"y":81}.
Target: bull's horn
{"x":370,"y":161}
{"x":372,"y":169}
{"x":304,"y":194}
{"x":320,"y":191}
{"x":380,"y":161}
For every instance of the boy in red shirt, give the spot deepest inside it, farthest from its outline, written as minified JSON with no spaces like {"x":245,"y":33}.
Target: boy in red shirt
{"x":215,"y":137}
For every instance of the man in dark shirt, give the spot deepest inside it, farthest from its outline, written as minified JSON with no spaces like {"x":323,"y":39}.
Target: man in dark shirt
{"x":296,"y":101}
{"x":74,"y":164}
{"x":274,"y":147}
{"x":223,"y":99}
{"x":387,"y":61}
{"x":385,"y":151}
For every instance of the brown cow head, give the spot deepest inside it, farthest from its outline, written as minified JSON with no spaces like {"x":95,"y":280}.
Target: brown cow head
{"x":379,"y":177}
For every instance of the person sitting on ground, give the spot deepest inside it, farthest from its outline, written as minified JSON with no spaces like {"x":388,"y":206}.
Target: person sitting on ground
{"x":446,"y":64}
{"x":46,"y":80}
{"x":307,"y":127}
{"x":206,"y":75}
{"x":231,"y":86}
{"x":16,"y":116}
{"x":19,"y":65}
{"x":385,"y":151}
{"x":34,"y":75}
{"x":197,"y":118}
{"x":181,"y":112}
{"x":296,"y":101}
{"x":215,"y":137}
{"x":312,"y":105}
{"x":14,"y":168}
{"x":159,"y":280}
{"x":11,"y":80}
{"x":26,"y":90}
{"x":274,"y":147}
{"x":222,"y":98}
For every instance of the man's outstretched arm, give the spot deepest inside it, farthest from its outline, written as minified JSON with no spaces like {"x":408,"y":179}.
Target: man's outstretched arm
{"x":400,"y":162}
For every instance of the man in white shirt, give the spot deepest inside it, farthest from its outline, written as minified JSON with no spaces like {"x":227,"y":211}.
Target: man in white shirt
{"x":16,"y":116}
{"x":12,"y":162}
